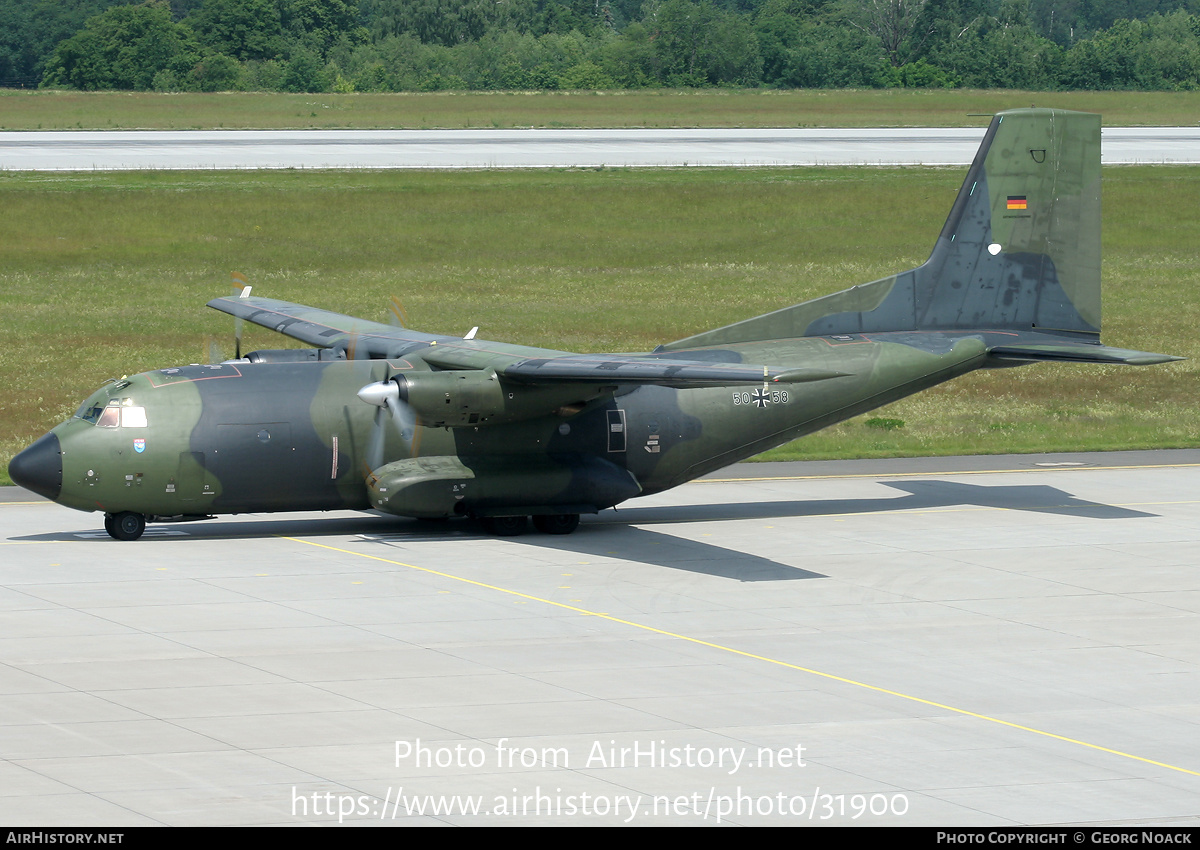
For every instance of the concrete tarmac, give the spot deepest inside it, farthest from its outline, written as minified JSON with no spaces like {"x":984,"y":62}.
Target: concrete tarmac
{"x":949,"y":642}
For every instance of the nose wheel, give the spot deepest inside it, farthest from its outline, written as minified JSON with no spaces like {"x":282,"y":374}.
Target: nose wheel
{"x":124,"y":526}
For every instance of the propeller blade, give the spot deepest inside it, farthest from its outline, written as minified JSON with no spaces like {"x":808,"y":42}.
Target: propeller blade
{"x":352,"y":352}
{"x":385,"y":395}
{"x":376,"y":444}
{"x":397,"y":316}
{"x":405,"y":419}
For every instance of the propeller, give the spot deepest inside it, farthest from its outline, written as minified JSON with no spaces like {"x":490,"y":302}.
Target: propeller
{"x":387,"y":397}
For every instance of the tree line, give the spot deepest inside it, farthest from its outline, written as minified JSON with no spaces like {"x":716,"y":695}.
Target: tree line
{"x":431,"y":45}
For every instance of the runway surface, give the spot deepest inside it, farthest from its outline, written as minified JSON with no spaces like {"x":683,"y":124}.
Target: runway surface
{"x":87,"y":150}
{"x":952,"y":642}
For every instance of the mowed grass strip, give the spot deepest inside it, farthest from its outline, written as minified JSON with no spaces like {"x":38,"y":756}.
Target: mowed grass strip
{"x":106,"y":274}
{"x":66,"y":110}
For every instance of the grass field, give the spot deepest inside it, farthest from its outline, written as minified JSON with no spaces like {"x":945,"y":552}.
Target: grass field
{"x":106,"y":274}
{"x":50,"y":110}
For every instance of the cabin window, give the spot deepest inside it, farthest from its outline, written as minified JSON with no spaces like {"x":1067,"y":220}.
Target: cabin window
{"x":109,"y":417}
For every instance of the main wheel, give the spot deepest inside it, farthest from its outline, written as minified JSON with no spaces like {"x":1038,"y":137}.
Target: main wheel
{"x":124,"y":526}
{"x":556,"y":523}
{"x":504,"y":526}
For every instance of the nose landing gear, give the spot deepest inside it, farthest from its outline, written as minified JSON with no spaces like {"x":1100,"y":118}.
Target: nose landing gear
{"x":124,"y":526}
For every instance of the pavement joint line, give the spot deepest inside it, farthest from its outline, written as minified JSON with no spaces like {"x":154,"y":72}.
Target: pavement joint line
{"x":744,"y":654}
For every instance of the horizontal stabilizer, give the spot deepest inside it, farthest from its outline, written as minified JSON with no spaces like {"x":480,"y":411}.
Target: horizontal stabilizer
{"x":1067,"y":353}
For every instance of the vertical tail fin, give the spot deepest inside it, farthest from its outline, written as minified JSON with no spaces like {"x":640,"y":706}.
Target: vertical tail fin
{"x":1021,"y":248}
{"x":1019,"y":251}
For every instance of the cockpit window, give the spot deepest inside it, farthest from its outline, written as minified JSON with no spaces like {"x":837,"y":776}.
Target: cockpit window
{"x":89,"y":412}
{"x":116,"y":412}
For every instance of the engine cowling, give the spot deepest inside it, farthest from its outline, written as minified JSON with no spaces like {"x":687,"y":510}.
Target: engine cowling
{"x":460,"y":399}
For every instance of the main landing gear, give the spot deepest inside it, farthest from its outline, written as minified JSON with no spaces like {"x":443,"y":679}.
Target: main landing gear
{"x":124,"y":526}
{"x":511,"y":526}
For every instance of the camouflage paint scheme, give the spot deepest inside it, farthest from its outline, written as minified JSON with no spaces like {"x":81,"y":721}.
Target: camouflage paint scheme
{"x":504,"y":431}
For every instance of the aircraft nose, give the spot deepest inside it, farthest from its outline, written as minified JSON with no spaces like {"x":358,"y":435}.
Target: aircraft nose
{"x":39,"y":467}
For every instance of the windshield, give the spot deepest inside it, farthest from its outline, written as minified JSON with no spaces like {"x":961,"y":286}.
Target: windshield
{"x":112,"y":413}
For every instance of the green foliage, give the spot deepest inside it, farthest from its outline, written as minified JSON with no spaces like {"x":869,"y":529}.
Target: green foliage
{"x":305,"y":72}
{"x":123,"y":48}
{"x":244,"y":29}
{"x":30,"y":29}
{"x":990,"y":54}
{"x":1159,"y":53}
{"x":215,"y":72}
{"x":922,"y":75}
{"x":437,"y":45}
{"x":698,"y":44}
{"x":316,"y":24}
{"x":900,"y":26}
{"x":444,"y":22}
{"x":629,"y":60}
{"x":824,"y":55}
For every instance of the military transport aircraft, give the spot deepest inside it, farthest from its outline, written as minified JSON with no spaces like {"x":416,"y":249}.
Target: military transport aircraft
{"x":420,"y":425}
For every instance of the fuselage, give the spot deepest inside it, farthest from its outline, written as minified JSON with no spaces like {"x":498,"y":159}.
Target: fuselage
{"x":258,"y":437}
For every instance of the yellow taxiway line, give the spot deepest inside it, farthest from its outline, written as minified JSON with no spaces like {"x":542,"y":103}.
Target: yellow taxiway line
{"x":764,"y":658}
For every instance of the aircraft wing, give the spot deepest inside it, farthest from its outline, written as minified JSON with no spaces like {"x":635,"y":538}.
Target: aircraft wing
{"x":520,"y":364}
{"x":321,"y":328}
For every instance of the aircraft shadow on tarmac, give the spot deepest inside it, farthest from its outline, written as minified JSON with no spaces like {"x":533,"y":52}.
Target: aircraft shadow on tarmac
{"x":923,"y":494}
{"x":627,"y":542}
{"x":619,"y":535}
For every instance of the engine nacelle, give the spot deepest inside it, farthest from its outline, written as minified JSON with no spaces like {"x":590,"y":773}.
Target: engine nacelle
{"x":477,"y":397}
